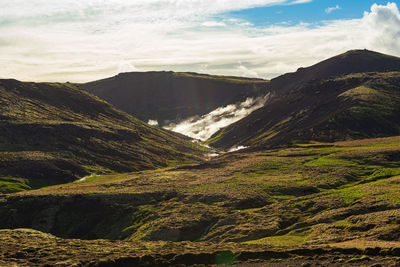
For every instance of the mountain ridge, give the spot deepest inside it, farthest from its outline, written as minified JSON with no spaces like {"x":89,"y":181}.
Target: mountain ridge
{"x":168,"y":96}
{"x":352,"y":61}
{"x":313,"y":107}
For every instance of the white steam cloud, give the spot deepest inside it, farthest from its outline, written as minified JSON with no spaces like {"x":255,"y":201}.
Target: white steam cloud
{"x":153,"y":122}
{"x":205,"y":126}
{"x":233,"y":149}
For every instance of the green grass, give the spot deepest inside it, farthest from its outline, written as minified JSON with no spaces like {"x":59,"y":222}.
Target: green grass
{"x":374,"y":185}
{"x":385,"y":173}
{"x":283,"y":240}
{"x":214,"y":139}
{"x":331,"y":162}
{"x":342,"y":223}
{"x":349,"y":195}
{"x":265,"y":136}
{"x":12,"y":185}
{"x":364,"y":93}
{"x":225,"y":258}
{"x":265,"y":168}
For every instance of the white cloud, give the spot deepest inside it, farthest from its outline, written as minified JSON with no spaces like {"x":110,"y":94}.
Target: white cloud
{"x":246,"y":72}
{"x":300,"y":2}
{"x":126,"y":66}
{"x":86,"y":40}
{"x":205,"y":126}
{"x":213,"y":24}
{"x":331,"y":9}
{"x":383,"y":23}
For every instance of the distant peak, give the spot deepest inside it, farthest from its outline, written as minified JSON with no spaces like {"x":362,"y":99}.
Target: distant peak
{"x":360,"y":51}
{"x":364,"y":53}
{"x":354,"y":61}
{"x":144,"y":72}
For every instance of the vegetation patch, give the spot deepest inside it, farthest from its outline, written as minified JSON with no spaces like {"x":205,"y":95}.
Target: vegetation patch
{"x":12,"y":185}
{"x":265,"y":167}
{"x":283,"y":240}
{"x":330,"y":189}
{"x":331,"y":162}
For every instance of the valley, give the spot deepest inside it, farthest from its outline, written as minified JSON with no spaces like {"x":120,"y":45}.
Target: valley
{"x":309,"y":196}
{"x":179,"y":95}
{"x":316,"y":181}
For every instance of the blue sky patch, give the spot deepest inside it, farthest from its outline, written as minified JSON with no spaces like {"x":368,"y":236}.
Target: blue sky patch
{"x":312,"y":12}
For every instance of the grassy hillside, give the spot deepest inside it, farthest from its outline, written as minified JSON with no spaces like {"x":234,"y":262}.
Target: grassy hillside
{"x":320,"y":195}
{"x":172,"y":96}
{"x":323,"y":103}
{"x":299,"y":192}
{"x":53,"y":133}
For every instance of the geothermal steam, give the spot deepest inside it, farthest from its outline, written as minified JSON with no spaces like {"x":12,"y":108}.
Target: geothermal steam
{"x":203,"y":127}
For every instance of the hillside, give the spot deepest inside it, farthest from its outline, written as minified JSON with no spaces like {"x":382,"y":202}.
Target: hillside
{"x":351,"y":96}
{"x":173,"y":96}
{"x":326,"y":203}
{"x":53,"y":133}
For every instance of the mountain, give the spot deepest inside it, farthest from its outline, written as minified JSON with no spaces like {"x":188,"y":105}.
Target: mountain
{"x":53,"y":133}
{"x":173,"y":96}
{"x":353,"y":61}
{"x":350,"y":96}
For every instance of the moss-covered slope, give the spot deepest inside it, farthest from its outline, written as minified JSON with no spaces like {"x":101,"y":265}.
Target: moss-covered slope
{"x":281,"y":204}
{"x":53,"y":133}
{"x":310,"y":194}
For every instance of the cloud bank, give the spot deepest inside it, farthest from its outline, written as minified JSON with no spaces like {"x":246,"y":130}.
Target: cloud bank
{"x":204,"y":127}
{"x":385,"y":24}
{"x":80,"y":41}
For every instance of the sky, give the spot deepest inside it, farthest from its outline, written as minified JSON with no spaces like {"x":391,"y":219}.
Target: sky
{"x":80,"y":41}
